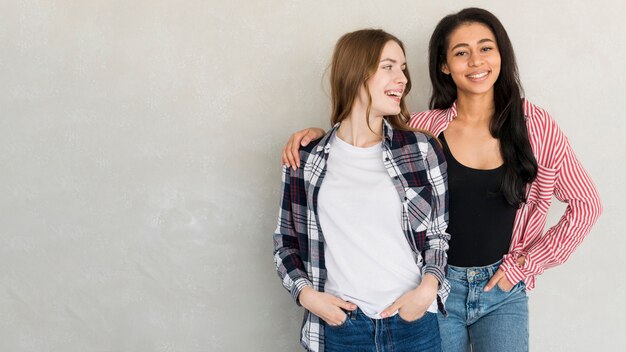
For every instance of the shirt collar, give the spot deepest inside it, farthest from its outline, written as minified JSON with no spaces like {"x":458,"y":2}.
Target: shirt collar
{"x":451,"y":112}
{"x":387,"y":131}
{"x":528,"y":110}
{"x":324,"y":144}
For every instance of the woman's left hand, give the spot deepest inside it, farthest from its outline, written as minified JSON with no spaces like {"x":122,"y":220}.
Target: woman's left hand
{"x":499,"y":278}
{"x":413,"y":304}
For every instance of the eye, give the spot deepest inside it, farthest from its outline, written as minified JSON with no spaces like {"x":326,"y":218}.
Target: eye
{"x":387,"y":67}
{"x":460,"y":53}
{"x":487,"y":48}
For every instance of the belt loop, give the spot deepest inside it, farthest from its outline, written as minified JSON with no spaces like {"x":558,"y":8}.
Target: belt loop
{"x":353,"y":314}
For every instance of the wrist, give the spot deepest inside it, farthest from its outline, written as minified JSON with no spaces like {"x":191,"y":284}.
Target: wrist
{"x":428,"y":287}
{"x":430,"y":281}
{"x":305,"y":296}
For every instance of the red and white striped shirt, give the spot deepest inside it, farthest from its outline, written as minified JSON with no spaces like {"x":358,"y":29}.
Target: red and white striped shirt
{"x":559,"y":174}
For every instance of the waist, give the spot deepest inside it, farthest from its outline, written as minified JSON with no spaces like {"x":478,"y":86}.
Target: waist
{"x":476,"y":273}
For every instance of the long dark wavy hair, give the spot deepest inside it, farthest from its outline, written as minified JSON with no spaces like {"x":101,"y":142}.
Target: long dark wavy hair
{"x":508,"y":122}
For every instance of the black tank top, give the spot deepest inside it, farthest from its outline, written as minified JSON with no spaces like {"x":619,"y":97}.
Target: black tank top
{"x":481,"y":220}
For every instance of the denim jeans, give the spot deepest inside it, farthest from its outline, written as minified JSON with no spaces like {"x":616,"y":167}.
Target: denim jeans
{"x":360,"y":333}
{"x":493,"y":321}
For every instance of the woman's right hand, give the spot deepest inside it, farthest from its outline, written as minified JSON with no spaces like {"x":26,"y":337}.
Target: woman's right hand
{"x":291,"y":156}
{"x":325,"y":305}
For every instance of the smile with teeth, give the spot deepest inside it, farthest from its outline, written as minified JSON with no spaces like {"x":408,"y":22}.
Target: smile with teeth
{"x":394,"y":94}
{"x":478,"y":75}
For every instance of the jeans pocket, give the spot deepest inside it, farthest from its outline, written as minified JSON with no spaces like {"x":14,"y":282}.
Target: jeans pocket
{"x":342,"y":325}
{"x":520,"y":285}
{"x":411,"y":322}
{"x":500,"y":289}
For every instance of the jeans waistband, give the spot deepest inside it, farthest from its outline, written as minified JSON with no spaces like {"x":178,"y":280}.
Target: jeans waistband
{"x":359,"y":314}
{"x":478,"y":273}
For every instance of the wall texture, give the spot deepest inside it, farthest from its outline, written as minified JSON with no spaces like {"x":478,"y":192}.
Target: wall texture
{"x":139,"y":156}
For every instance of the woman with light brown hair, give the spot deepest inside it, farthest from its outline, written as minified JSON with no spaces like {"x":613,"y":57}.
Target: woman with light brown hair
{"x":361,"y":238}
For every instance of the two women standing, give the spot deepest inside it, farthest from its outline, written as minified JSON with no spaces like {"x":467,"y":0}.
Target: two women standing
{"x":506,"y":158}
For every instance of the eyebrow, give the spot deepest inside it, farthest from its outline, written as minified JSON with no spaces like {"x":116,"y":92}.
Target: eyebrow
{"x":479,"y":42}
{"x":392,"y":61}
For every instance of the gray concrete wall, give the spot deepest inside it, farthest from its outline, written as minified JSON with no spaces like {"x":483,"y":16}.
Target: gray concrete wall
{"x":140,"y":176}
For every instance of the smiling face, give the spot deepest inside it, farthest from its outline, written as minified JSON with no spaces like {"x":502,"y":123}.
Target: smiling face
{"x":387,"y":85}
{"x":472,"y":59}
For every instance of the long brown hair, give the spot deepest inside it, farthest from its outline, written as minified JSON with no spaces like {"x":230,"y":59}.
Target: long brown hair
{"x":355,"y":60}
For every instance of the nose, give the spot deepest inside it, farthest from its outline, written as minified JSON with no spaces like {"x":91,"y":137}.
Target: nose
{"x":401,"y":78}
{"x":475,"y":61}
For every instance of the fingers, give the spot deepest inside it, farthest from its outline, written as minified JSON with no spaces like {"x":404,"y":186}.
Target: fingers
{"x":494,"y":280}
{"x":306,"y":139}
{"x":412,"y":316}
{"x":291,"y":151}
{"x":292,"y":156}
{"x":283,"y":159}
{"x":294,"y":147}
{"x":391,"y":309}
{"x":337,"y":319}
{"x":504,"y":284}
{"x":344,"y":304}
{"x":336,"y":315}
{"x":286,"y":148}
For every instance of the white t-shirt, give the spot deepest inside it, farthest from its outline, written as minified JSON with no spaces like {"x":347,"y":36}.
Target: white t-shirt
{"x":368,"y":259}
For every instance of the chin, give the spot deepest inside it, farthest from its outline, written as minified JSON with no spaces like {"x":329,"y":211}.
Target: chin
{"x":392,"y":112}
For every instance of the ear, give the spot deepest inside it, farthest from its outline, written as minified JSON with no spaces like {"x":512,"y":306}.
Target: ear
{"x":444,"y":69}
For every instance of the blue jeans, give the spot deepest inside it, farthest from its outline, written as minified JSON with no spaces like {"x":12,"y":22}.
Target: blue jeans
{"x":360,"y":333}
{"x":491,"y":321}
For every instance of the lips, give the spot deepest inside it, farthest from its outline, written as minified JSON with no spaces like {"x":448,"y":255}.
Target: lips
{"x":478,"y":76}
{"x":395,"y":94}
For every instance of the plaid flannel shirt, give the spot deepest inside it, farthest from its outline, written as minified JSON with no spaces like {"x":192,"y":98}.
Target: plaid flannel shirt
{"x":417,"y":167}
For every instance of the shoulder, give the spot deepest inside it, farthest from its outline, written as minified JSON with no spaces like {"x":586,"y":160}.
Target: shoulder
{"x":414,"y":139}
{"x":312,"y":146}
{"x":540,"y":123}
{"x":310,"y":149}
{"x":546,"y":137}
{"x":404,"y":137}
{"x":306,"y":155}
{"x":537,"y":118}
{"x":426,"y":119}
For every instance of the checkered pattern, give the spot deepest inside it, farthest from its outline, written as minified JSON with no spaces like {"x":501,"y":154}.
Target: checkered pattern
{"x":417,"y":167}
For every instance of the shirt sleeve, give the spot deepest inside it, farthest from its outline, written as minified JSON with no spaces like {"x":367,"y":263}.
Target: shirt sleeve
{"x":287,"y":251}
{"x":436,"y":244}
{"x":574,"y":187}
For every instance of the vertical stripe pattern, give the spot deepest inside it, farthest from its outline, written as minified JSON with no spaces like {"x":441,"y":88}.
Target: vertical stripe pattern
{"x":560,"y":174}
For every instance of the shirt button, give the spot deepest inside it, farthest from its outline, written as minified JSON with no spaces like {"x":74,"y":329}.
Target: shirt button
{"x":386,"y":159}
{"x":396,"y":177}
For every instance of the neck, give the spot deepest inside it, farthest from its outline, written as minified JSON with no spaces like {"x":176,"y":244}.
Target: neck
{"x":475,"y":108}
{"x":354,"y":129}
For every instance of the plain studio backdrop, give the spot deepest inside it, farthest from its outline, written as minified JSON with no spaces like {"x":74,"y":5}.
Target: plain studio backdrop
{"x":140,"y":176}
